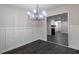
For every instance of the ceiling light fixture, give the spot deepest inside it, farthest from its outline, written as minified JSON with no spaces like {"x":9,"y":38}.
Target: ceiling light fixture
{"x":36,"y":14}
{"x":59,"y":21}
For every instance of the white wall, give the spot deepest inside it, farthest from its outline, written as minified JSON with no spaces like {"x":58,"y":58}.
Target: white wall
{"x":73,"y":23}
{"x":74,"y":26}
{"x":58,"y":26}
{"x":16,"y":29}
{"x":64,"y":27}
{"x":49,"y":27}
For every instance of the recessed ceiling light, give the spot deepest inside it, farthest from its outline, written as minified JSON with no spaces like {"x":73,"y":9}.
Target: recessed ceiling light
{"x":59,"y":21}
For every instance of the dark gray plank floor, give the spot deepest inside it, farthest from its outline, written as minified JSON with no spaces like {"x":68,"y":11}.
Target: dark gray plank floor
{"x":60,"y":38}
{"x":42,"y":47}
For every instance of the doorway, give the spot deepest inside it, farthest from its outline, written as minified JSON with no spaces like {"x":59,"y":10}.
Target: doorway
{"x":57,"y":29}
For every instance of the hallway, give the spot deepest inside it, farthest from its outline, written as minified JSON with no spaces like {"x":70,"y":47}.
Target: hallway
{"x":59,"y":38}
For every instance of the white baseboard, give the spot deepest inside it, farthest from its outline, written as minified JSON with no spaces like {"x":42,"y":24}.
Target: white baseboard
{"x":19,"y":45}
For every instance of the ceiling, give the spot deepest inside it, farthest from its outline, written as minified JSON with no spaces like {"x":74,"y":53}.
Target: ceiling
{"x":61,"y":17}
{"x":33,"y":6}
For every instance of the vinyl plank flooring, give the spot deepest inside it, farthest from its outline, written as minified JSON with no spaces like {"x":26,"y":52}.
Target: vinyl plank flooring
{"x":60,"y":38}
{"x":42,"y":47}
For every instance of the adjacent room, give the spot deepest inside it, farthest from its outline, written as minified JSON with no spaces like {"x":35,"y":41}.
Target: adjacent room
{"x":39,"y":28}
{"x":57,"y":29}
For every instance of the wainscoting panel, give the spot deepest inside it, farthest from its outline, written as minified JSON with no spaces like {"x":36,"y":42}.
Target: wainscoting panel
{"x":2,"y":41}
{"x":10,"y":39}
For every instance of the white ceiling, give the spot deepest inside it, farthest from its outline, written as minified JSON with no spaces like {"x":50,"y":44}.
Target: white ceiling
{"x":40,"y":6}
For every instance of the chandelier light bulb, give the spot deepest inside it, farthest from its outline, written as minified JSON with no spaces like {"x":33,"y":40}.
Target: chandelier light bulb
{"x":35,"y":11}
{"x":33,"y":16}
{"x":40,"y":16}
{"x":28,"y":13}
{"x":44,"y":13}
{"x":36,"y":14}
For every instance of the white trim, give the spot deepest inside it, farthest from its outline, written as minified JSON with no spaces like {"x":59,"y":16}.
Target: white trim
{"x":61,"y":45}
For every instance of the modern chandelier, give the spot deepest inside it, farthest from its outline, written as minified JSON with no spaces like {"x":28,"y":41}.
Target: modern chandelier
{"x":36,"y":14}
